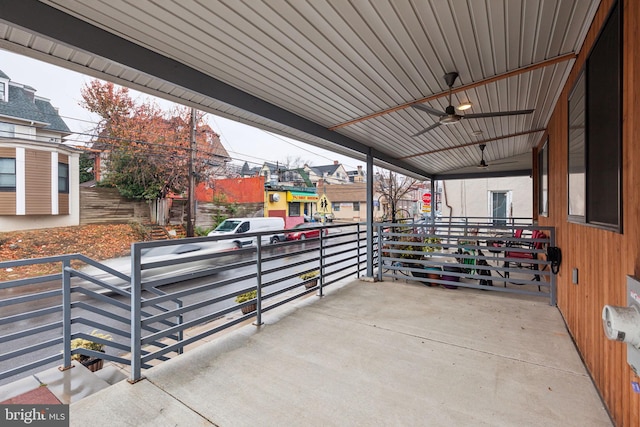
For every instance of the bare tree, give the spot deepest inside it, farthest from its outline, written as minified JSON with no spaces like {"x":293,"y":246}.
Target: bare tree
{"x":393,"y":187}
{"x":293,"y":162}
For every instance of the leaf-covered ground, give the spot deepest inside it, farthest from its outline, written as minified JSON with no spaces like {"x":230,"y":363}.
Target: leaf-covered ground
{"x":97,"y":241}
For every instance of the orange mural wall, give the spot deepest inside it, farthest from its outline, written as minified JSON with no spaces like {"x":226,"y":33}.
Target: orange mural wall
{"x":235,"y":190}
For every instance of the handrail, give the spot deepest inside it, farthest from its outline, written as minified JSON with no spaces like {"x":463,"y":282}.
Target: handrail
{"x":148,"y":306}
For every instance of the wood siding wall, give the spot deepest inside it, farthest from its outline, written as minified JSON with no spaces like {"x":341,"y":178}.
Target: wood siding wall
{"x":38,"y":182}
{"x":603,"y":258}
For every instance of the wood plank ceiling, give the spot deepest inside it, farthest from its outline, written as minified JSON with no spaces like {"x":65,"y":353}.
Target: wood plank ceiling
{"x":337,"y":74}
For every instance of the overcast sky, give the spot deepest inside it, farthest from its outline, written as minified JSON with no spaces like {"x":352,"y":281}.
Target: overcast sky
{"x":243,"y":142}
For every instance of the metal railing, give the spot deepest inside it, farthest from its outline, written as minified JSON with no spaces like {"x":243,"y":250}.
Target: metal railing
{"x":148,"y":302}
{"x":171,"y":294}
{"x":470,"y":254}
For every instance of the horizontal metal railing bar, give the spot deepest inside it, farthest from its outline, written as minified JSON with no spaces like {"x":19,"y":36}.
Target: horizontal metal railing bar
{"x":37,"y":261}
{"x":148,"y":285}
{"x":113,"y":288}
{"x":288,"y":300}
{"x":182,"y":310}
{"x":108,"y":314}
{"x":96,"y":325}
{"x":101,"y":297}
{"x":29,"y":298}
{"x":181,"y":327}
{"x":27,"y":367}
{"x":30,"y":349}
{"x":16,"y":283}
{"x":193,"y":258}
{"x":474,"y":286}
{"x":335,"y":279}
{"x":338,"y":262}
{"x":195,"y":290}
{"x":191,"y":340}
{"x":31,"y":331}
{"x":30,"y":315}
{"x":102,"y":266}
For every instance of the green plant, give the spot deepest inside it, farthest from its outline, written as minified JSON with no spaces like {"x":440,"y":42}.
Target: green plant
{"x":414,"y":244}
{"x":247,"y":296}
{"x":432,"y":240}
{"x":88,"y":344}
{"x":309,"y":275}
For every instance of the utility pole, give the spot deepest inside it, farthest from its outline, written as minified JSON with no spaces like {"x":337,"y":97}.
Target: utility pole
{"x":191,"y":211}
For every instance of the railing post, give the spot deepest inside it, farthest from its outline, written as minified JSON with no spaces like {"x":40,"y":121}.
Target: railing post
{"x":66,"y":314}
{"x":380,"y":266}
{"x":358,"y":250}
{"x":258,"y":281}
{"x":136,"y":315}
{"x":321,"y":261}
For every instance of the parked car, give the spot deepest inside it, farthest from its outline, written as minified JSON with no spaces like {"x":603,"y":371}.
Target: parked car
{"x":305,"y":230}
{"x":328,"y":217}
{"x":250,"y":225}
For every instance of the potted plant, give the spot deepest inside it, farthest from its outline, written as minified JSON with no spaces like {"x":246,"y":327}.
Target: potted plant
{"x":248,"y":296}
{"x":92,"y":363}
{"x":308,"y":276}
{"x":434,"y":271}
{"x":420,"y":251}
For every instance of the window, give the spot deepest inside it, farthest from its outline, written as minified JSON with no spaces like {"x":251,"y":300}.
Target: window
{"x":2,"y":91}
{"x":499,"y":202}
{"x":356,"y":206}
{"x":7,"y":174}
{"x":595,"y":132}
{"x":543,"y":180}
{"x":335,"y":207}
{"x":63,"y":178}
{"x":577,"y":150}
{"x":7,"y":130}
{"x":294,"y":209}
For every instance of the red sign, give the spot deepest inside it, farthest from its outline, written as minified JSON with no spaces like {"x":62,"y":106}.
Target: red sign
{"x":426,"y":198}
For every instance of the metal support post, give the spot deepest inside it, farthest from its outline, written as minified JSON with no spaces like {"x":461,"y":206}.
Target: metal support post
{"x":136,"y":314}
{"x":259,"y":281}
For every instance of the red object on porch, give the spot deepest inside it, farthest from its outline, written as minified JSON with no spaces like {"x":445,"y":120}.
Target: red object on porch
{"x":38,"y":396}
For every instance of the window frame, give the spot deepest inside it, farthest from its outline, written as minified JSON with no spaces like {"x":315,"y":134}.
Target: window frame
{"x":543,"y":179}
{"x":9,"y":188}
{"x":63,"y":179}
{"x":596,"y":198}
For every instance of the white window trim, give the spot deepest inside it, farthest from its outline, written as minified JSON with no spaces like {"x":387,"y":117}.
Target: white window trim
{"x":509,"y":195}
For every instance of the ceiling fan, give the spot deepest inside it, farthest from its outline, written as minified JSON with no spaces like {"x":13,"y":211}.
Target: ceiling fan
{"x":449,"y":116}
{"x":483,"y":164}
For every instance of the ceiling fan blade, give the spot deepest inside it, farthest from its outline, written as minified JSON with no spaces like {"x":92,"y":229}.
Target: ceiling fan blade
{"x":433,"y":126}
{"x":497,"y":114}
{"x":429,"y":110}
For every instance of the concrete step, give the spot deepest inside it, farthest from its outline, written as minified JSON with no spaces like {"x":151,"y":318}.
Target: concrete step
{"x":67,"y":386}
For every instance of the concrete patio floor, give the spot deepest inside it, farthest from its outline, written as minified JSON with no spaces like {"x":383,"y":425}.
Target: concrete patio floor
{"x":386,"y":353}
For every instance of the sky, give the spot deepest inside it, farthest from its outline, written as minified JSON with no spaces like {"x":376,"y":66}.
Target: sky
{"x":244,"y":143}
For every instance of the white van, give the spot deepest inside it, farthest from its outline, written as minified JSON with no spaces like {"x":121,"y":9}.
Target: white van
{"x":251,"y":225}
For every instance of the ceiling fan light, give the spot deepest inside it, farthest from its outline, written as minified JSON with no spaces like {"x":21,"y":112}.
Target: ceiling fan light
{"x":464,"y":106}
{"x":449,"y":119}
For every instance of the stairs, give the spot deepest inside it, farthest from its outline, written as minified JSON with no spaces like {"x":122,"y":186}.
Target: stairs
{"x":158,"y":232}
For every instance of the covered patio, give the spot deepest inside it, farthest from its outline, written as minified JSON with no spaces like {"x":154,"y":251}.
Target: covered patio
{"x":367,"y":79}
{"x":384,"y":353}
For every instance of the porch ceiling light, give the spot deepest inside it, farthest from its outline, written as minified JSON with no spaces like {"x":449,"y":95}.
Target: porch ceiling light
{"x":464,"y":106}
